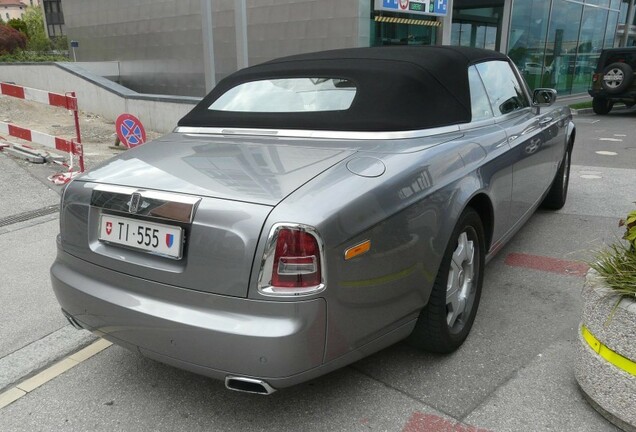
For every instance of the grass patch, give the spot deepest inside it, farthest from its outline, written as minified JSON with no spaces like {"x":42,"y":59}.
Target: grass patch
{"x":581,"y":105}
{"x":617,"y":265}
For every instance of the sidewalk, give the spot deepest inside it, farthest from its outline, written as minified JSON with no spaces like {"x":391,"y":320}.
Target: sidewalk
{"x":33,"y":331}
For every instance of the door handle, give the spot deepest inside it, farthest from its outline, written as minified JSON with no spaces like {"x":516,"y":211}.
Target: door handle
{"x":545,"y":121}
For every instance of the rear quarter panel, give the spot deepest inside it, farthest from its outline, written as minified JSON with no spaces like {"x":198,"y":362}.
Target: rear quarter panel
{"x":408,"y":214}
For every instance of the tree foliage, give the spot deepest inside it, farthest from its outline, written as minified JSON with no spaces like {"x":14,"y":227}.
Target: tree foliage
{"x":38,"y":40}
{"x":18,"y":24}
{"x":11,"y":40}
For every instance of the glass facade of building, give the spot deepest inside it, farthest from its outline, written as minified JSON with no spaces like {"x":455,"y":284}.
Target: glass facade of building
{"x":557,"y":43}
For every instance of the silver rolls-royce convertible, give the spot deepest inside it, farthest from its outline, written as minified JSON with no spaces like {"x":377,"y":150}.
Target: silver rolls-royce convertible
{"x":312,"y":210}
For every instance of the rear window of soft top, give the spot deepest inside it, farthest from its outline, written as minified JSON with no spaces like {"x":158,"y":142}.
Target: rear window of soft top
{"x":288,"y":95}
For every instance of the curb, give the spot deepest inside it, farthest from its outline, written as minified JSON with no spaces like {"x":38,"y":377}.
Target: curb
{"x":37,"y":355}
{"x":581,"y":111}
{"x":591,"y":111}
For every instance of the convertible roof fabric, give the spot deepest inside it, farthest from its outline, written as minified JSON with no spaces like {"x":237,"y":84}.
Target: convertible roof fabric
{"x":398,"y":88}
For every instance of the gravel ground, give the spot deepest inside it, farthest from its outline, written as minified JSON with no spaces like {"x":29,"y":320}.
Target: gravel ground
{"x":97,"y":133}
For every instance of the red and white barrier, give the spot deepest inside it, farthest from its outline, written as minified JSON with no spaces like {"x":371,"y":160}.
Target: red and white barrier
{"x":67,"y":101}
{"x":33,"y":136}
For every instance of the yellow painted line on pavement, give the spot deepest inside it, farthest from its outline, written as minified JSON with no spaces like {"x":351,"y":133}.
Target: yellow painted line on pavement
{"x":612,"y":357}
{"x":10,"y":396}
{"x":27,"y":386}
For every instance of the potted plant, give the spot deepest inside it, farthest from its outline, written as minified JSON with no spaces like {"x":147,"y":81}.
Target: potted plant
{"x":606,"y":366}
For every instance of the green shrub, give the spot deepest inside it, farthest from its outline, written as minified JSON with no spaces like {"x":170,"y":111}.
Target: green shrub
{"x":31,"y":57}
{"x":18,"y":24}
{"x":630,"y":228}
{"x":59,"y":43}
{"x":617,"y":265}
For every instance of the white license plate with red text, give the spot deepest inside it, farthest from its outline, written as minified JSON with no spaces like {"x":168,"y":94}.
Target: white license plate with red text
{"x":146,"y":236}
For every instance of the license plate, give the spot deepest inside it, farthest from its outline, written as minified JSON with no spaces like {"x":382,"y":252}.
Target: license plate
{"x":160,"y":239}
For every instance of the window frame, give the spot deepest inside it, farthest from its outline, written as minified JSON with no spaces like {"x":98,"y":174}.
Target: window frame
{"x":523,"y":86}
{"x":483,"y":87}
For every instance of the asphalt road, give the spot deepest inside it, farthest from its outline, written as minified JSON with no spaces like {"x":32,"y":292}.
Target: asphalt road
{"x":514,"y":373}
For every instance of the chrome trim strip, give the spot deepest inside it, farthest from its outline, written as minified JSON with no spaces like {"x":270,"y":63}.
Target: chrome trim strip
{"x":164,"y":196}
{"x":317,"y":134}
{"x":160,"y":205}
{"x":477,"y":124}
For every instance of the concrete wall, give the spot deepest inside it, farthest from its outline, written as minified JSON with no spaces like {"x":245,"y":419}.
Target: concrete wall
{"x":98,"y":95}
{"x":107,"y":69}
{"x":159,"y":43}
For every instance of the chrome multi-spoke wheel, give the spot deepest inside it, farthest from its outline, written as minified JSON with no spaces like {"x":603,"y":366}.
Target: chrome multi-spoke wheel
{"x":460,"y":289}
{"x":445,"y":322}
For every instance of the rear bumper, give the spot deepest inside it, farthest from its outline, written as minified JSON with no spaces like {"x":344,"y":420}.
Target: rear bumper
{"x":206,"y":333}
{"x":621,"y":97}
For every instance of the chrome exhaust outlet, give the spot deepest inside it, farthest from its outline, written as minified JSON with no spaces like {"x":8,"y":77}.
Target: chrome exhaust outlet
{"x":72,"y":320}
{"x":248,"y":385}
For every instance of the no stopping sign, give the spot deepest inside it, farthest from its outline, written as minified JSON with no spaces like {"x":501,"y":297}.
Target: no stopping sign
{"x":130,"y":131}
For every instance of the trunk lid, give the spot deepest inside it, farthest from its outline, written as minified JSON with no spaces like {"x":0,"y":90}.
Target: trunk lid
{"x":218,"y":192}
{"x":260,"y":171}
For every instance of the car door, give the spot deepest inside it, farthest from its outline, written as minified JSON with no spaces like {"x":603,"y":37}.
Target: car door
{"x":496,"y":168}
{"x":532,"y":162}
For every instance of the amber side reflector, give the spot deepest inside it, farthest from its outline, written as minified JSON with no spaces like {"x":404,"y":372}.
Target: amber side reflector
{"x":358,"y":249}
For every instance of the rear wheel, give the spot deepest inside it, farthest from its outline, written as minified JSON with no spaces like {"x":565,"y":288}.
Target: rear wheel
{"x":556,"y":197}
{"x":445,"y":322}
{"x":601,"y":106}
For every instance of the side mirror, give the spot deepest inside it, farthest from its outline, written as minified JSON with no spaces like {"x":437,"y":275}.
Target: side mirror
{"x":544,"y":97}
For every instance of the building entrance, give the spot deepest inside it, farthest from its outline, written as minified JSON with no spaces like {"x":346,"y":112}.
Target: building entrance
{"x":402,"y":32}
{"x":477,"y":23}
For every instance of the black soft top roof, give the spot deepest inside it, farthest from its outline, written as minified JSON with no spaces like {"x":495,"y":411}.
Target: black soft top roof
{"x":398,"y":88}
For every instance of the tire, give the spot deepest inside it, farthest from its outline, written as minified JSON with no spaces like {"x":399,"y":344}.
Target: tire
{"x":602,"y":106}
{"x":439,"y":328}
{"x":617,"y":78}
{"x":558,"y":193}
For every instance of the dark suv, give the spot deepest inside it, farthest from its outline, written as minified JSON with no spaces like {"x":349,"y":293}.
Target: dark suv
{"x":613,"y":80}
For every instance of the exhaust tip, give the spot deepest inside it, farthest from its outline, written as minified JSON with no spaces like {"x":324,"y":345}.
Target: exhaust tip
{"x":72,"y":320}
{"x":248,"y":385}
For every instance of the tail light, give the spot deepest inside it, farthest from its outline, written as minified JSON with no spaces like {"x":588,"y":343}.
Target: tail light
{"x":293,"y":262}
{"x":595,"y":77}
